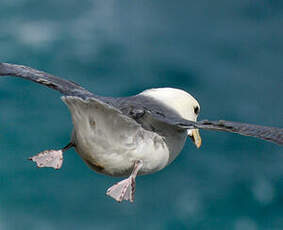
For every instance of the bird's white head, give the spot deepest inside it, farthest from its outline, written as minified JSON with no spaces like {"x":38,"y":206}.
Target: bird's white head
{"x":181,"y":102}
{"x":176,"y":99}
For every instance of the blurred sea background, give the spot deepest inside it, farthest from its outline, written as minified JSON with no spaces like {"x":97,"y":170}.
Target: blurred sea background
{"x":228,"y":54}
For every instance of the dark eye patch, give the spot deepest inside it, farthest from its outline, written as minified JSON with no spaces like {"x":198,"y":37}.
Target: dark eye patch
{"x":196,"y":110}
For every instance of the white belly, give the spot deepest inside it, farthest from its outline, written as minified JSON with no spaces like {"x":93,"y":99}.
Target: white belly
{"x":110,"y":142}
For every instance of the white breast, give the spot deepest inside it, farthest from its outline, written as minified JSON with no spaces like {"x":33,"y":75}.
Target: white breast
{"x":110,"y":142}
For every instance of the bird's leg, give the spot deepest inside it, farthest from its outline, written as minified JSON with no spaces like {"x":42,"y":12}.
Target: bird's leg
{"x":125,"y":189}
{"x":50,"y":158}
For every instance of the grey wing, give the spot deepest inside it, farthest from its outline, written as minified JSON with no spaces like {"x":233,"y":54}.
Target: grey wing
{"x":68,"y":88}
{"x":272,"y":134}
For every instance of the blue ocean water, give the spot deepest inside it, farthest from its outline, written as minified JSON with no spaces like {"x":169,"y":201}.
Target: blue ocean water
{"x":228,"y":54}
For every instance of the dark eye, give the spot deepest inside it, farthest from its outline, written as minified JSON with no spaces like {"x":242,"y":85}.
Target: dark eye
{"x":196,"y":110}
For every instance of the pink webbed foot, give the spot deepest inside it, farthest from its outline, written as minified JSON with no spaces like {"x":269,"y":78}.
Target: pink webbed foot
{"x":49,"y":158}
{"x":125,"y":189}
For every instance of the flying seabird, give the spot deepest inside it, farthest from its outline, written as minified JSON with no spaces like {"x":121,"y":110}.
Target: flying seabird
{"x":130,"y":136}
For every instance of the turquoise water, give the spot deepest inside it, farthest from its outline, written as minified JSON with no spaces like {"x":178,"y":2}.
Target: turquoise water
{"x":228,"y":54}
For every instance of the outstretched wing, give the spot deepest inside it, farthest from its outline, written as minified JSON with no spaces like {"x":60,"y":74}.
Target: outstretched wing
{"x":145,"y":112}
{"x":68,"y":88}
{"x":272,"y":134}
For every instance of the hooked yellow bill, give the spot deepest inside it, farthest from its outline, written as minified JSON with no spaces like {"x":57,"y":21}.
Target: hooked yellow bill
{"x":195,"y":136}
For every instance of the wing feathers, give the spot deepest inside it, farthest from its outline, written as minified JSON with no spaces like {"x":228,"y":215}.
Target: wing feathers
{"x":65,"y":87}
{"x":272,"y":134}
